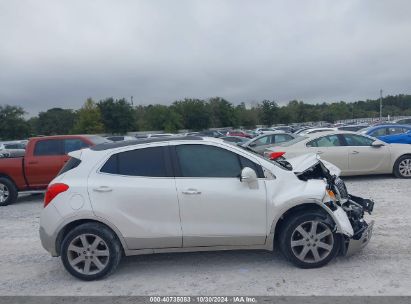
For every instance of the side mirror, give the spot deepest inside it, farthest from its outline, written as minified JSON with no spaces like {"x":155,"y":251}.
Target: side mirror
{"x":377,"y":144}
{"x":249,"y":176}
{"x":253,"y":144}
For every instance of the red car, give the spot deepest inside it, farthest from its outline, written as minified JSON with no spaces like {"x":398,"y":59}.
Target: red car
{"x":44,"y":158}
{"x":239,"y":133}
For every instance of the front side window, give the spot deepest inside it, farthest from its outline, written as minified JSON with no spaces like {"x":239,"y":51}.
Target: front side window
{"x":207,"y":161}
{"x":148,"y":162}
{"x":396,"y":130}
{"x":48,"y":147}
{"x":325,"y":141}
{"x":357,"y":140}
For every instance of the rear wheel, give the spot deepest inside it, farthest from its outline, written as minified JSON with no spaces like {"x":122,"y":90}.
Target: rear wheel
{"x":402,"y":167}
{"x":91,"y":251}
{"x":307,"y":240}
{"x":8,"y":192}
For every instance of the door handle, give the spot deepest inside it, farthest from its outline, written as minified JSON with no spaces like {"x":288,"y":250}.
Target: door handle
{"x":103,"y":189}
{"x":33,"y":162}
{"x":191,"y":192}
{"x":320,"y":152}
{"x":355,"y":152}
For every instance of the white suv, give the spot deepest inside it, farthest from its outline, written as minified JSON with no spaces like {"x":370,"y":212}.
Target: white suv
{"x":195,"y":194}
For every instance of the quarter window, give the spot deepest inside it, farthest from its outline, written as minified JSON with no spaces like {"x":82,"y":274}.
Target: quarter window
{"x":141,"y":162}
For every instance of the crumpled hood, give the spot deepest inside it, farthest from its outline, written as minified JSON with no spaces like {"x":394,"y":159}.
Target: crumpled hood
{"x":303,"y":162}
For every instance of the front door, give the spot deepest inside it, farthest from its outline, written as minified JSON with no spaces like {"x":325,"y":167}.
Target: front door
{"x":216,"y":208}
{"x":364,"y":158}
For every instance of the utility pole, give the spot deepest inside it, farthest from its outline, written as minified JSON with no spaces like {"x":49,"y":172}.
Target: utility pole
{"x":380,"y":105}
{"x":132,"y":103}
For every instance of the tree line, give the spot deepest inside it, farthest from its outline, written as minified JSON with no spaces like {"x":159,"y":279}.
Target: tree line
{"x":118,"y":116}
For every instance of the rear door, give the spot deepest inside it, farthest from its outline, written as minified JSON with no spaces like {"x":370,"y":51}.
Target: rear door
{"x":216,"y":208}
{"x":365,"y":158}
{"x":331,"y":149}
{"x":44,"y":162}
{"x":135,"y":190}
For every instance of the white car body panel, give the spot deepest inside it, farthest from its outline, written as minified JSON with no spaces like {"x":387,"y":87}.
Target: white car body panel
{"x":154,"y":215}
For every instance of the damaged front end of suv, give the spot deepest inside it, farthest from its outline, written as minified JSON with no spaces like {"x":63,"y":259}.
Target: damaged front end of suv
{"x":357,"y":232}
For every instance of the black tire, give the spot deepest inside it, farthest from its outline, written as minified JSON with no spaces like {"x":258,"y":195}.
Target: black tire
{"x":12,"y":193}
{"x":289,"y":231}
{"x":397,"y":170}
{"x":111,"y":242}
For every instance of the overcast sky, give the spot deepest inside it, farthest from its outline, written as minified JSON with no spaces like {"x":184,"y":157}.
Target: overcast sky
{"x":57,"y":53}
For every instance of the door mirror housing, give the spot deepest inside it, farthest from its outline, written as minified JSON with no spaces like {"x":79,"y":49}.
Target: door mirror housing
{"x":253,"y":144}
{"x":377,"y":144}
{"x":248,"y":175}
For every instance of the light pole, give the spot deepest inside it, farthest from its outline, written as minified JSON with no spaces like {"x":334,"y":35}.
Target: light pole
{"x":380,"y":105}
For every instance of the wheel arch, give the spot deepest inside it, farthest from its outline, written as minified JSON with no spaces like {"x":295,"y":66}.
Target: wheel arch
{"x":75,"y":223}
{"x":276,"y":225}
{"x":397,"y":159}
{"x":4,"y":175}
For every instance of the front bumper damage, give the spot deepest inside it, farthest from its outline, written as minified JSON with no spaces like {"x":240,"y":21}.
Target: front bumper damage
{"x":354,"y":208}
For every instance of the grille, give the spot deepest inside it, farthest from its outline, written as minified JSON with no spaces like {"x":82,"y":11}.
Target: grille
{"x":340,"y":185}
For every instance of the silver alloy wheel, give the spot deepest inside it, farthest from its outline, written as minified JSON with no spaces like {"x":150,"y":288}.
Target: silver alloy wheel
{"x":312,"y":241}
{"x":88,"y":254}
{"x":4,"y":193}
{"x":405,"y":167}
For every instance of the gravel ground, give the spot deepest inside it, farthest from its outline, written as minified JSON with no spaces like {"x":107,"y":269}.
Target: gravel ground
{"x":383,"y":268}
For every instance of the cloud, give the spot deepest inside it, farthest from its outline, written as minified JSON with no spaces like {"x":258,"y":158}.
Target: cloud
{"x":58,"y":53}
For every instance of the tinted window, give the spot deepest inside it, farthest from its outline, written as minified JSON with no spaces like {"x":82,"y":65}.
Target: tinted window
{"x":279,"y":138}
{"x":265,"y":140}
{"x":207,"y":161}
{"x":357,"y":140}
{"x":48,"y":147}
{"x":73,"y":144}
{"x":396,"y":130}
{"x":326,"y":141}
{"x":379,"y":132}
{"x":140,"y":162}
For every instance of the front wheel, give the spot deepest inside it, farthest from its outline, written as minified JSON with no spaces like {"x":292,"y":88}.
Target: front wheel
{"x":402,"y":167}
{"x":91,"y":251}
{"x":307,"y":240}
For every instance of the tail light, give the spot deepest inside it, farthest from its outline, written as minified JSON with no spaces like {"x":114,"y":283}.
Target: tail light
{"x":275,"y":155}
{"x":54,"y":190}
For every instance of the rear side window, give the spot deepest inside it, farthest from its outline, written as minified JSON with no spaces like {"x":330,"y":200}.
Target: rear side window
{"x":71,"y":164}
{"x":326,"y":141}
{"x":141,"y":162}
{"x":73,"y":144}
{"x":48,"y":147}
